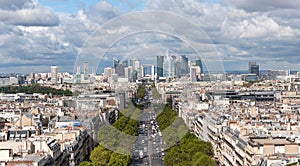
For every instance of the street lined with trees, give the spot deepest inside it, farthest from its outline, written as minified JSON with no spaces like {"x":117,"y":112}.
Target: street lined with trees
{"x":190,"y":152}
{"x":182,"y":147}
{"x":118,"y":137}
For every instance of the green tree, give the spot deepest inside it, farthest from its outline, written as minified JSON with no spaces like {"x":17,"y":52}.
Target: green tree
{"x":166,"y":117}
{"x":110,"y":135}
{"x":100,"y":156}
{"x":35,"y":88}
{"x":171,"y":156}
{"x":117,"y":159}
{"x":141,"y":92}
{"x":85,"y":163}
{"x":190,"y":152}
{"x":201,"y":159}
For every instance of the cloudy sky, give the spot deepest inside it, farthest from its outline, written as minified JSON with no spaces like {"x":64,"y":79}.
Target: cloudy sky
{"x":37,"y":34}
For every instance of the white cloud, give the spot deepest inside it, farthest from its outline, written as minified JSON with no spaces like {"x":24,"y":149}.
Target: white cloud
{"x":265,"y":5}
{"x":256,"y":27}
{"x":36,"y":46}
{"x":102,"y":11}
{"x":27,"y":13}
{"x":33,"y":35}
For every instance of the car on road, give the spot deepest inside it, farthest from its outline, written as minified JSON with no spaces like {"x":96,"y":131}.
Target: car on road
{"x":159,"y":133}
{"x":141,"y":154}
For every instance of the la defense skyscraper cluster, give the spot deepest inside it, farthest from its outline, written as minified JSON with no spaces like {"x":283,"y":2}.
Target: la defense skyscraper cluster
{"x":169,"y":65}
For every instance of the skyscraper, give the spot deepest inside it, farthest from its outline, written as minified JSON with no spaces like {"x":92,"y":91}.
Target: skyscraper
{"x":85,"y":70}
{"x":108,"y":71}
{"x":54,"y":74}
{"x":119,"y":69}
{"x":128,"y":73}
{"x":148,"y":70}
{"x":169,"y":66}
{"x":131,"y":63}
{"x":115,"y":62}
{"x":249,"y":66}
{"x":159,"y":65}
{"x":178,"y":68}
{"x":78,"y":70}
{"x":137,"y":64}
{"x":125,"y":63}
{"x":194,"y":73}
{"x":253,"y":68}
{"x":184,"y":65}
{"x":199,"y":63}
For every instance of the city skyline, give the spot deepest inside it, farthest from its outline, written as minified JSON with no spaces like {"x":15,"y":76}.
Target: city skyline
{"x":262,"y":31}
{"x":150,"y":82}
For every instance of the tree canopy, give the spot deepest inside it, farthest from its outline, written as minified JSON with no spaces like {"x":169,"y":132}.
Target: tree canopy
{"x":141,"y":92}
{"x":118,"y":137}
{"x":103,"y":157}
{"x":187,"y":151}
{"x":166,"y":117}
{"x":35,"y":88}
{"x":155,"y":93}
{"x":190,"y":152}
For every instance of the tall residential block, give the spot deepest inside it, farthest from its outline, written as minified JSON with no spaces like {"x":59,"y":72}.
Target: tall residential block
{"x":54,"y":74}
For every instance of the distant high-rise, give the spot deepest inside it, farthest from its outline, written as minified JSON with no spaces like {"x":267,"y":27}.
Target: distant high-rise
{"x":178,"y":68}
{"x":148,"y":70}
{"x":78,"y":70}
{"x":249,"y":66}
{"x":85,"y":70}
{"x":199,"y":63}
{"x":125,"y":63}
{"x":54,"y":74}
{"x":128,"y":73}
{"x":253,"y":68}
{"x":137,"y":64}
{"x":115,"y":62}
{"x":169,"y":66}
{"x":159,"y":65}
{"x":194,"y":73}
{"x":184,"y":65}
{"x":108,"y":71}
{"x":119,"y":69}
{"x":131,"y":63}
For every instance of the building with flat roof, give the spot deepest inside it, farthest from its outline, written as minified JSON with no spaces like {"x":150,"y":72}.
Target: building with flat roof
{"x":54,"y":74}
